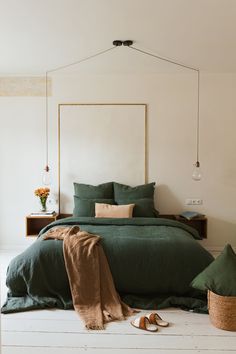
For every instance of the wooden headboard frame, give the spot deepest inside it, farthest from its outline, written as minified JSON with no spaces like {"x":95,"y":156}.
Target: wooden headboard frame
{"x":100,"y":104}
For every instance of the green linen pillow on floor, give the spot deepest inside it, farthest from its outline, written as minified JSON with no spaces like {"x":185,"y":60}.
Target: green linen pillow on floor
{"x":88,"y":191}
{"x":220,"y":275}
{"x":142,"y":196}
{"x":86,"y":207}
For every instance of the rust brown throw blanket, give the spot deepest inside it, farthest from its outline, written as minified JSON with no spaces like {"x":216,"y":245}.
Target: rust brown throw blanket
{"x":93,"y":292}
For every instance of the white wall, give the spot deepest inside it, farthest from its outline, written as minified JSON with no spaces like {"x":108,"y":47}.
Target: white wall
{"x":21,"y":156}
{"x":171,"y":103}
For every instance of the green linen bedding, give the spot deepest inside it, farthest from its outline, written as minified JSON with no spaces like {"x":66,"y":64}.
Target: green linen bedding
{"x":152,"y":261}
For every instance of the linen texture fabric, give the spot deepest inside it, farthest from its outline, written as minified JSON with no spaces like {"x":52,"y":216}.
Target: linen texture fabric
{"x":142,"y":196}
{"x":94,"y":295}
{"x":220,"y":275}
{"x":113,"y":211}
{"x":88,"y":191}
{"x":86,"y":207}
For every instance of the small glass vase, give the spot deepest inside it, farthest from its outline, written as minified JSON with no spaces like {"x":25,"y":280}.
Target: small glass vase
{"x":43,"y":202}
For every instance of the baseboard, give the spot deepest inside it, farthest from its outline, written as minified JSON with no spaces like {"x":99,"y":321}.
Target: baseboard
{"x":214,"y":248}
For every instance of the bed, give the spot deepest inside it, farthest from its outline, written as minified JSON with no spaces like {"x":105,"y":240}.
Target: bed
{"x":152,"y":260}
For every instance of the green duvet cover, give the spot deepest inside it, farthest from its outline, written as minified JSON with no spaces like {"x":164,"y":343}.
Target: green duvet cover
{"x":152,"y":261}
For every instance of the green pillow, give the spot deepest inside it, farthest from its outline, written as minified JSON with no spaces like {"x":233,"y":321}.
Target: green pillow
{"x":123,"y":192}
{"x":142,"y":196}
{"x":86,"y":207}
{"x":220,"y":275}
{"x":88,"y":191}
{"x":143,"y":207}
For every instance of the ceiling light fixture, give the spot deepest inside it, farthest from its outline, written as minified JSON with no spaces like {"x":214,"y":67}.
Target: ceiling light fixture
{"x":196,"y":175}
{"x":46,"y":177}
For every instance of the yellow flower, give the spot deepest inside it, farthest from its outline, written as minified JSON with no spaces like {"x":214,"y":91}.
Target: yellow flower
{"x":42,"y":192}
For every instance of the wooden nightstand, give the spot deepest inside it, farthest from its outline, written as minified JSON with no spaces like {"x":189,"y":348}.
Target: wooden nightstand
{"x":199,"y":223}
{"x":35,"y":223}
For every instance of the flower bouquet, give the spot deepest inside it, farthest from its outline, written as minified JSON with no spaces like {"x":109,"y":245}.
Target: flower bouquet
{"x":43,"y":194}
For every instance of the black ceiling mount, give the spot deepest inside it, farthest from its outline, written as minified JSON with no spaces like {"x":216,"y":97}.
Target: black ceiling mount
{"x":117,"y":43}
{"x":127,"y":43}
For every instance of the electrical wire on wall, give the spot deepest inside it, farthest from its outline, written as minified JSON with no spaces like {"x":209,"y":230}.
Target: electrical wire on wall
{"x":196,"y":175}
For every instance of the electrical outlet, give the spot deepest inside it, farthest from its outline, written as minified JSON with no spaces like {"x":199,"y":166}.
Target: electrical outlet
{"x":193,"y":201}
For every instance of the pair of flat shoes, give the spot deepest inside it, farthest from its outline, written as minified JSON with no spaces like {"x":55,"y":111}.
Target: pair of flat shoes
{"x":149,"y":323}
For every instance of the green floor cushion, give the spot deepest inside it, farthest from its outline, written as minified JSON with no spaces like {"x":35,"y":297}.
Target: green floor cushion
{"x":220,"y":275}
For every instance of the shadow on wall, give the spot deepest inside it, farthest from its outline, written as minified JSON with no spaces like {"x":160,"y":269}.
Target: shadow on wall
{"x":166,"y":201}
{"x":220,"y":232}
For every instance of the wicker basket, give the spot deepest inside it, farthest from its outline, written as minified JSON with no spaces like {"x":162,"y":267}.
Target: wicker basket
{"x":222,"y":311}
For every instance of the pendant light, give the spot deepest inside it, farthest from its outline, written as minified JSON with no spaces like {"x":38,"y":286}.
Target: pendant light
{"x":46,"y":177}
{"x":197,"y":174}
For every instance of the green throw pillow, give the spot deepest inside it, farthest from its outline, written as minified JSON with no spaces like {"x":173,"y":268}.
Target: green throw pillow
{"x":88,"y":191}
{"x":143,"y":207}
{"x":142,"y":196}
{"x":122,"y":191}
{"x":86,"y":207}
{"x":220,"y":275}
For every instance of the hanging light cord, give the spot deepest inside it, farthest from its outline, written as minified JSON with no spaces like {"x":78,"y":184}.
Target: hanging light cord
{"x":46,"y":90}
{"x":162,"y":58}
{"x":128,"y":44}
{"x":81,"y":60}
{"x":198,"y":87}
{"x":198,"y":115}
{"x":46,"y":122}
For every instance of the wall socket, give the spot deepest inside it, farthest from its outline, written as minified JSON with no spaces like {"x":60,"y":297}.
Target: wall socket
{"x":193,"y":201}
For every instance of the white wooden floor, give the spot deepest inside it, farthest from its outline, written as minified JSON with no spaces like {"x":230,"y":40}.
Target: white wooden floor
{"x":62,"y":332}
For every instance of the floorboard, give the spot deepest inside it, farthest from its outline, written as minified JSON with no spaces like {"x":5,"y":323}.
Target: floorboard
{"x":33,"y":350}
{"x":62,"y":332}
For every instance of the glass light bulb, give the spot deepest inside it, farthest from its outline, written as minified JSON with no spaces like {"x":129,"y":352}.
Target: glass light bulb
{"x":197,"y":174}
{"x":46,"y":178}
